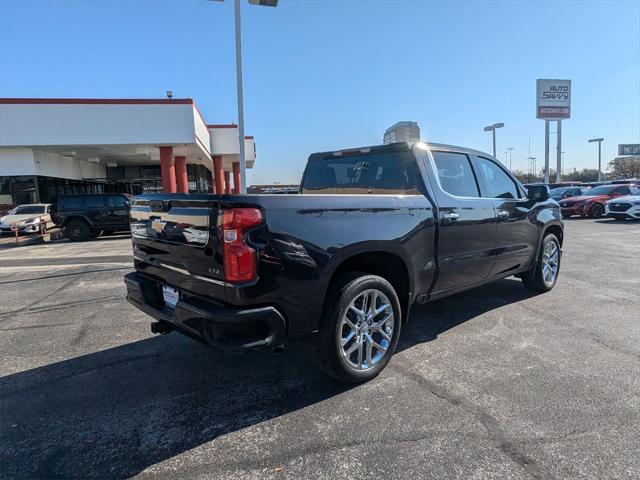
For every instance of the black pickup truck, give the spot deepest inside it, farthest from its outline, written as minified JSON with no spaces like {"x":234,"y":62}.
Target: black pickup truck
{"x":373,"y":231}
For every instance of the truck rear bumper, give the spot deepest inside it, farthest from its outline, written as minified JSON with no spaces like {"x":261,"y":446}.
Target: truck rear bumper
{"x":227,"y":329}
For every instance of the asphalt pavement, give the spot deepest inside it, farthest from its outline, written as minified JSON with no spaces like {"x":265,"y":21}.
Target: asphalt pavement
{"x":494,"y":383}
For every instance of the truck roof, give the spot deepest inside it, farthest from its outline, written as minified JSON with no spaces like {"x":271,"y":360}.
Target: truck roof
{"x":394,"y":147}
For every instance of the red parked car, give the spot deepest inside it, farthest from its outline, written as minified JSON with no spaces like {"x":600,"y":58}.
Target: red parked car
{"x":592,"y":202}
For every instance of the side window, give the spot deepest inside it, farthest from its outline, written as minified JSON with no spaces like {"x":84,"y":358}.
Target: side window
{"x":496,"y":181}
{"x":71,"y":203}
{"x":117,"y":201}
{"x":94,"y":202}
{"x":455,"y":174}
{"x":624,"y":191}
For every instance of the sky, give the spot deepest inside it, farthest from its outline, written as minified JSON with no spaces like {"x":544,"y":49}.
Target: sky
{"x":331,"y":74}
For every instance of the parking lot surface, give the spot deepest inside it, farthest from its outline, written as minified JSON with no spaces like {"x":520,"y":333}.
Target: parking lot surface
{"x":495,"y":382}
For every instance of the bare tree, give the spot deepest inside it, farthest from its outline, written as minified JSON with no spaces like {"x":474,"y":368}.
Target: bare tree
{"x":625,"y":167}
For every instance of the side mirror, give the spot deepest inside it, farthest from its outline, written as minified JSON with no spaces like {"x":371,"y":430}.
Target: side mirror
{"x":538,"y":193}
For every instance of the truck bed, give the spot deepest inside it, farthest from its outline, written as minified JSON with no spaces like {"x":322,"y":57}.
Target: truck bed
{"x":177,"y":242}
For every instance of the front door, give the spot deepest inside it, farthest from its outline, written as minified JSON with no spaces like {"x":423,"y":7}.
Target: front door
{"x":516,"y":234}
{"x":467,"y":223}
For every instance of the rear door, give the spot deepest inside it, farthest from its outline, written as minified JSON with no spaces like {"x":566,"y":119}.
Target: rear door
{"x":96,"y":210}
{"x":118,"y":211}
{"x":516,"y":235}
{"x":467,"y":222}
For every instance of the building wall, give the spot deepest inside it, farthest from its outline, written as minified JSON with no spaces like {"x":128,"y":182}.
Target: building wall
{"x":201,"y":131}
{"x":27,"y":161}
{"x":52,"y":165}
{"x":97,"y":124}
{"x":16,"y":161}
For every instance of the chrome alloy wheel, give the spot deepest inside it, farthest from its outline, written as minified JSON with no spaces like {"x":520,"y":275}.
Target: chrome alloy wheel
{"x":366,"y":329}
{"x":550,"y":262}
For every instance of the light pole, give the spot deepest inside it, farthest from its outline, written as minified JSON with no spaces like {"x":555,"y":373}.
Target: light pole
{"x":492,"y":128}
{"x":510,"y":152}
{"x":599,"y":140}
{"x":243,"y":162}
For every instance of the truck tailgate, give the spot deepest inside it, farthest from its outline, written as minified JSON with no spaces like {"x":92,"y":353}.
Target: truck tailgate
{"x":177,"y":241}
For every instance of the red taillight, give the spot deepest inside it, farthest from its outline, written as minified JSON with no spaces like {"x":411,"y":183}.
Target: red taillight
{"x":239,"y":258}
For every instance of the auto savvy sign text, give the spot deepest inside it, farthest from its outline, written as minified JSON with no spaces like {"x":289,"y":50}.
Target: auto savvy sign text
{"x":553,"y":99}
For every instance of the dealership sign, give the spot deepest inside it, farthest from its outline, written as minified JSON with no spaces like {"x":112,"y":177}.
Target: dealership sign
{"x":629,"y":149}
{"x":553,"y":99}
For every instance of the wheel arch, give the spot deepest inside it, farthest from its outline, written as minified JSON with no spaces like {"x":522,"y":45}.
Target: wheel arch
{"x":557,"y":230}
{"x":384,"y":263}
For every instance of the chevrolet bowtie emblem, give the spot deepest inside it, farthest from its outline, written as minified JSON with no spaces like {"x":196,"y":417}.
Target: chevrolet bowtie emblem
{"x":158,"y":225}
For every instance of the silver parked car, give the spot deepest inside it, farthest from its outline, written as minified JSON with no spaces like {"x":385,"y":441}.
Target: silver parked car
{"x":27,"y":218}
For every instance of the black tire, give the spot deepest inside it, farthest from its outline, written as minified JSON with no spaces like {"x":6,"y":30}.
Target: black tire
{"x":77,"y":231}
{"x":328,"y":345}
{"x":596,"y":210}
{"x":95,"y":234}
{"x":566,"y":215}
{"x":535,"y":279}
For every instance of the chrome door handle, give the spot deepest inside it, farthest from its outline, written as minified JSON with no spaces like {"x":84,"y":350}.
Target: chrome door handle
{"x":450,"y":215}
{"x":502,"y":213}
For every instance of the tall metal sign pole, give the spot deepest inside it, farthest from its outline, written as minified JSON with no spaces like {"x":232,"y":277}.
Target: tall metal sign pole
{"x":553,"y":102}
{"x":243,"y":162}
{"x":546,"y":151}
{"x":559,"y":154}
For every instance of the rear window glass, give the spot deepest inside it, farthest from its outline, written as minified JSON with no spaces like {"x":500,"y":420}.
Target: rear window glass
{"x":70,"y":203}
{"x":117,"y":202}
{"x":381,"y":173}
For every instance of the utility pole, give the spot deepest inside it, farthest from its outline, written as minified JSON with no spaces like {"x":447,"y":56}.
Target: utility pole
{"x":510,"y":152}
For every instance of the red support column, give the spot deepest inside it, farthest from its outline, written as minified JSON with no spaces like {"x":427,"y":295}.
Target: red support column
{"x":227,"y":182}
{"x":167,"y":170}
{"x":236,"y":177}
{"x":182,"y":181}
{"x":218,"y":173}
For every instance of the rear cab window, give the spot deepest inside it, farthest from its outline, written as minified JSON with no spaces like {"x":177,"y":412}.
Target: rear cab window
{"x":363,"y":173}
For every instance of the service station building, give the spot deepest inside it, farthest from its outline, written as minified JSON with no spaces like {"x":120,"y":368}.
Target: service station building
{"x":56,"y":146}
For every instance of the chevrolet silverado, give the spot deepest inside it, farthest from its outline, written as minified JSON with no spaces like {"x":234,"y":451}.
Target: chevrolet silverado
{"x":372,"y":232}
